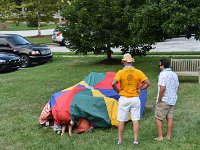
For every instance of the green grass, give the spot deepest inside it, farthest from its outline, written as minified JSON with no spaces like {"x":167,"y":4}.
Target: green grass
{"x":22,"y":26}
{"x":44,"y":39}
{"x":26,"y":91}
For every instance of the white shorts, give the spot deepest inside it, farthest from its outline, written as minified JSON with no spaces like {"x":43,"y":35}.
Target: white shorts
{"x":126,"y":105}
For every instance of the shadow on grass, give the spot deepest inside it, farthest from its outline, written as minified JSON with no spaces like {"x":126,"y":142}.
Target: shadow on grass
{"x":7,"y":71}
{"x":112,"y":61}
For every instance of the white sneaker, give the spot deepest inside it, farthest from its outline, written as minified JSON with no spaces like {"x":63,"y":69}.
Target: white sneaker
{"x":135,"y":143}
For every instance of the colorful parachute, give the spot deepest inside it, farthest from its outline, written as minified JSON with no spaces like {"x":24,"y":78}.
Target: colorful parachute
{"x":93,"y":99}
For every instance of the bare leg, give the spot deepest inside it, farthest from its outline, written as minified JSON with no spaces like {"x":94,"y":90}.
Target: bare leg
{"x":63,"y":130}
{"x":70,"y":129}
{"x":120,"y":131}
{"x":159,"y":129}
{"x":169,"y":127}
{"x":71,"y":123}
{"x":136,"y":129}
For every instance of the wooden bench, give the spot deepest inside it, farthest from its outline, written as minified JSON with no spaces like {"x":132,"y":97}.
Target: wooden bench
{"x":186,"y":67}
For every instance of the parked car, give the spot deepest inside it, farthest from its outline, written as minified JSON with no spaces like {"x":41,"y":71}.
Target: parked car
{"x":29,"y":53}
{"x":9,"y":61}
{"x":58,"y":38}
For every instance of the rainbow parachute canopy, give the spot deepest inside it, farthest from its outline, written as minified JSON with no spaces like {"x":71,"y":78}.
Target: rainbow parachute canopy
{"x":93,"y":99}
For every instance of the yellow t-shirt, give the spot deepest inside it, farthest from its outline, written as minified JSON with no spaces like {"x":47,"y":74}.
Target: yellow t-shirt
{"x":129,"y":79}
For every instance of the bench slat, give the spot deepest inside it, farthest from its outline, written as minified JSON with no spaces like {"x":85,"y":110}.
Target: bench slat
{"x":185,"y":73}
{"x":186,"y":67}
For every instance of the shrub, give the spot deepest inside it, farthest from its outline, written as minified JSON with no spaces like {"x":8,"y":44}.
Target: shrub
{"x":32,"y":23}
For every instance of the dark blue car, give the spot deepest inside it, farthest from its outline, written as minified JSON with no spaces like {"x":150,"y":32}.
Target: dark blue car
{"x":9,"y":62}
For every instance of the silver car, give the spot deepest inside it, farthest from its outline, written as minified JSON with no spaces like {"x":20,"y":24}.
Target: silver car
{"x":58,"y":38}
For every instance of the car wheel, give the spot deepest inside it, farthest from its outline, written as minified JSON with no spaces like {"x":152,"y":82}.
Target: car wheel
{"x":25,"y":61}
{"x":64,"y":42}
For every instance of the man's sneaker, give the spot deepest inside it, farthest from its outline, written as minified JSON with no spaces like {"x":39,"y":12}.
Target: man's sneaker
{"x":135,"y":143}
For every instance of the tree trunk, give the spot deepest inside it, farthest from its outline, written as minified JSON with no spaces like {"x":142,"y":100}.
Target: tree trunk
{"x":109,"y":52}
{"x":39,"y":30}
{"x":59,"y":16}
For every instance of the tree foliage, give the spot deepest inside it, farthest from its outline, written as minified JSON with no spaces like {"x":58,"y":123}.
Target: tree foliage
{"x":134,"y":25}
{"x":7,"y":10}
{"x":34,"y":11}
{"x":39,"y":10}
{"x":101,"y":24}
{"x":161,"y":19}
{"x":96,"y":25}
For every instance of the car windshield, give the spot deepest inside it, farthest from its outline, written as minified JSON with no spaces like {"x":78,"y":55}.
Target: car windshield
{"x":18,"y":40}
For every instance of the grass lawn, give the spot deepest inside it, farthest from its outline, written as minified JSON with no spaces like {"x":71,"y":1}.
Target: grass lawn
{"x":44,"y":39}
{"x":22,"y":26}
{"x":26,"y":91}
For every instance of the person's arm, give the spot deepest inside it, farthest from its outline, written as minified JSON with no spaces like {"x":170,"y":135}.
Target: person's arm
{"x":114,"y":85}
{"x":145,"y":84}
{"x":161,"y":93}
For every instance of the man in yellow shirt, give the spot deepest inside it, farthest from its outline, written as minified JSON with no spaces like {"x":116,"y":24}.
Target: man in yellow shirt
{"x":129,"y":78}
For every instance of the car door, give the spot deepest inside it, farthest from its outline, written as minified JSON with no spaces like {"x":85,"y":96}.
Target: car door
{"x":5,"y":46}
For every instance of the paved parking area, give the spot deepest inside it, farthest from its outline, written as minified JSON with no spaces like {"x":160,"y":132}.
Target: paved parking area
{"x":57,"y":48}
{"x":180,"y":44}
{"x":171,"y":45}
